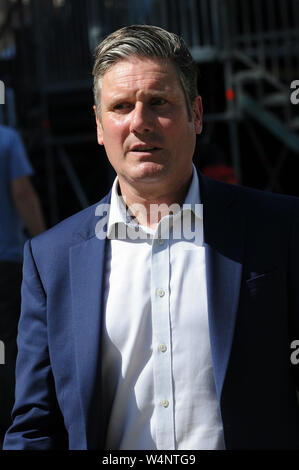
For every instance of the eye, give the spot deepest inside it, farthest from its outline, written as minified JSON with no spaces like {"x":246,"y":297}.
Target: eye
{"x":122,"y":107}
{"x":158,"y":101}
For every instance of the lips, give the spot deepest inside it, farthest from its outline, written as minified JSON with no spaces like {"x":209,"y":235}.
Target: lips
{"x":144,"y":148}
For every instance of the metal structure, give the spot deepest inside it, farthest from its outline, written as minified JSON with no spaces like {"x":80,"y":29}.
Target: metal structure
{"x":256,"y":43}
{"x":264,"y":52}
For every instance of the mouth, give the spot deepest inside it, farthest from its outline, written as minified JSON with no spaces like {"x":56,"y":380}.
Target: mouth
{"x":144,"y":149}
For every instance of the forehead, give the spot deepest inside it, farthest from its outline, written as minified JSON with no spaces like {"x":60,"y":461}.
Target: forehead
{"x":137,"y":73}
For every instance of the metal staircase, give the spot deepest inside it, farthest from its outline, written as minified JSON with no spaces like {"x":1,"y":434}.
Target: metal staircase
{"x":264,"y":51}
{"x":257,"y":43}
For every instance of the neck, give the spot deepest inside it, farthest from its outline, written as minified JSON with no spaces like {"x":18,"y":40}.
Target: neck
{"x":150,"y":208}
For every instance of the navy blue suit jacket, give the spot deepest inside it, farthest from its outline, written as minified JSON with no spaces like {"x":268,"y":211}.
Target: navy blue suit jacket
{"x":252,"y":262}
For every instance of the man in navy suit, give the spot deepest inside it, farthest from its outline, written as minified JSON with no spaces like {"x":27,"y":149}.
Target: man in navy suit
{"x":163,"y":316}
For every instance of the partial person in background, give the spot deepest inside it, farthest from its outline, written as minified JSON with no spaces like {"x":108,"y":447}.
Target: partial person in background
{"x":19,"y":209}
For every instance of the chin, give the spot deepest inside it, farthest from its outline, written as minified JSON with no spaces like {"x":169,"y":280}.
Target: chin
{"x":149,"y":171}
{"x":149,"y":177}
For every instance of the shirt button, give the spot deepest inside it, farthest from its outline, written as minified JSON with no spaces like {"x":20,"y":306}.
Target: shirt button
{"x":160,"y":241}
{"x":162,"y":348}
{"x":160,"y":292}
{"x":164,"y":403}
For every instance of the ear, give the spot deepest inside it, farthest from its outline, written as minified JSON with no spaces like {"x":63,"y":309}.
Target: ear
{"x":99,"y":127}
{"x":197,"y":114}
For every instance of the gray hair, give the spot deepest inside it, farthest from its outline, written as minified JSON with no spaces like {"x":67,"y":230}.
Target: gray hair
{"x":146,"y":41}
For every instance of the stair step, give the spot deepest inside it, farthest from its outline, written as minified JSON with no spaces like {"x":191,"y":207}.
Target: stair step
{"x":248,"y":75}
{"x":270,"y":121}
{"x":276,"y":99}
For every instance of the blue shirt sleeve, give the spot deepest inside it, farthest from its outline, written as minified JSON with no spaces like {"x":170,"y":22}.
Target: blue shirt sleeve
{"x":19,"y":163}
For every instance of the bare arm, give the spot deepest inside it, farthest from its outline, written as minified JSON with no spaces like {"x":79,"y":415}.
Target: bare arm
{"x":27,"y":204}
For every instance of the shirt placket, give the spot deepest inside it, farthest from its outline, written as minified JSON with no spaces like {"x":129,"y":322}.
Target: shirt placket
{"x":162,"y":354}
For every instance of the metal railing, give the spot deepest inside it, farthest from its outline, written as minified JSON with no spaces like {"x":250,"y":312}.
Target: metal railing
{"x":66,"y":32}
{"x":268,"y":32}
{"x":66,"y":35}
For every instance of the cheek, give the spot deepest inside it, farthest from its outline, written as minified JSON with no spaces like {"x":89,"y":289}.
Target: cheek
{"x":176,"y":129}
{"x":114,"y":132}
{"x":169,"y":127}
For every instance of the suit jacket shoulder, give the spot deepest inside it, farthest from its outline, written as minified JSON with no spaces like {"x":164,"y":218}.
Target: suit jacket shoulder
{"x":257,"y":199}
{"x":50,"y":250}
{"x":68,"y":232}
{"x":265,"y":214}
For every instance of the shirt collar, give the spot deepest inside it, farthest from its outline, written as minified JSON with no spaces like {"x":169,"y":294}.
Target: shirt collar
{"x":192,"y":200}
{"x":119,"y":214}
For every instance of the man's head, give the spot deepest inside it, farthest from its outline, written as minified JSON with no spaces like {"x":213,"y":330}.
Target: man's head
{"x":146,"y":41}
{"x":148,"y":112}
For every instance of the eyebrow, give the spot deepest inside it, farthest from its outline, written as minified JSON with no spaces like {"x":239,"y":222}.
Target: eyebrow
{"x":124,"y":96}
{"x":157,"y":92}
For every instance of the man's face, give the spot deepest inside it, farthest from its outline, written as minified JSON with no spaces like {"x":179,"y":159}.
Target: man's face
{"x":144,"y":124}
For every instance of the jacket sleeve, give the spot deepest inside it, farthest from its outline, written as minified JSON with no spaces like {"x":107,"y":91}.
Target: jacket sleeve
{"x":37,"y":420}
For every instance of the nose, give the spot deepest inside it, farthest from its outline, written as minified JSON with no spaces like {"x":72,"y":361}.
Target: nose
{"x":141,"y":119}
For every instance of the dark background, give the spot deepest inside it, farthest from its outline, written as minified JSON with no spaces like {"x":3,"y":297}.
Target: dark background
{"x":244,"y":49}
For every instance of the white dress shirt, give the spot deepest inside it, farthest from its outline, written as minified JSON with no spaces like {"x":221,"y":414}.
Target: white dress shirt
{"x":158,"y":383}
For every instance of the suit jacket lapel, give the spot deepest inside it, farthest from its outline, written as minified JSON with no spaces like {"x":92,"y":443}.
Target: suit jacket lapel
{"x":224,"y":233}
{"x":87,"y":261}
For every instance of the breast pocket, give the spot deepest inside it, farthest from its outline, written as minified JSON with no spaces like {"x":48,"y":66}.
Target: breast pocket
{"x":267,"y":293}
